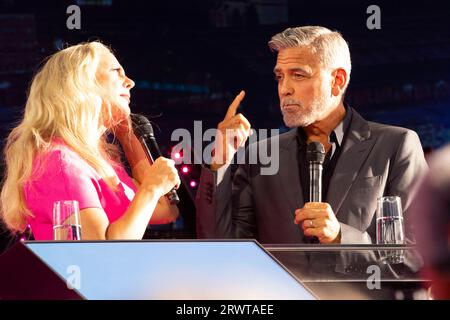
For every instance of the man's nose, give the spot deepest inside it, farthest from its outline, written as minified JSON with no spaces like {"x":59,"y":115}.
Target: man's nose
{"x":285,"y":88}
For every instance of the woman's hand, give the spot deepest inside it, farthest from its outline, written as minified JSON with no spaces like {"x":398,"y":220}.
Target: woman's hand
{"x":158,"y":180}
{"x":161,"y":177}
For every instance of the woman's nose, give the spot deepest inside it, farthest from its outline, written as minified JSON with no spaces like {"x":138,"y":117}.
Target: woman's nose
{"x":129,"y":84}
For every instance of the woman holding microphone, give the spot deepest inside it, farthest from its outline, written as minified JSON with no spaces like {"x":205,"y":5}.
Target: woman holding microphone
{"x":59,"y":151}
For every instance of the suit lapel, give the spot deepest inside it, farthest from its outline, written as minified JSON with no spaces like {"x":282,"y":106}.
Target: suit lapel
{"x":355,"y":151}
{"x":289,"y":172}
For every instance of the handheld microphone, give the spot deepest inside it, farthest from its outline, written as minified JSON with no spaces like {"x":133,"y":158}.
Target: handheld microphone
{"x":315,"y":155}
{"x":143,"y":130}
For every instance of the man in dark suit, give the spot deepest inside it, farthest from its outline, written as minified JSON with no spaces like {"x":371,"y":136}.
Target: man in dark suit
{"x":364,"y":160}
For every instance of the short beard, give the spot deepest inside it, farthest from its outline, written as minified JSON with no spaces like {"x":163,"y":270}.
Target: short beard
{"x":304,"y":117}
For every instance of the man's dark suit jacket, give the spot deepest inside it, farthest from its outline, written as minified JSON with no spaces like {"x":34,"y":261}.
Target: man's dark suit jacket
{"x":376,"y":160}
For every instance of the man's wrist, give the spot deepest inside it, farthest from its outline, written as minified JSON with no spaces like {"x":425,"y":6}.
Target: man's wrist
{"x":337,"y":240}
{"x":215,"y":166}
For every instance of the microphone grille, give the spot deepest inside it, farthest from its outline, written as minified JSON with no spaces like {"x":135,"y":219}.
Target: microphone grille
{"x":315,"y":152}
{"x":141,"y":125}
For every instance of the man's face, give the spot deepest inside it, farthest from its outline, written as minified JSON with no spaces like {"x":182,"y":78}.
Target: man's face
{"x":304,"y":87}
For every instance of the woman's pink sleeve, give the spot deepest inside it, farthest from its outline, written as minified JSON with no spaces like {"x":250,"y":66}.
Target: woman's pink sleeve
{"x":62,"y":176}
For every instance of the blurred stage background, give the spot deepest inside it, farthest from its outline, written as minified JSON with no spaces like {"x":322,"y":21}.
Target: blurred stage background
{"x":190,"y":58}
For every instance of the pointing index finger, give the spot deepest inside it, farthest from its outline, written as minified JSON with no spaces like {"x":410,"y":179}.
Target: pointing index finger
{"x":231,"y":112}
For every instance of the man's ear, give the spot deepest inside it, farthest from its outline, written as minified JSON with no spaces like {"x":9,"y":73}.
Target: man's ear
{"x":339,"y":81}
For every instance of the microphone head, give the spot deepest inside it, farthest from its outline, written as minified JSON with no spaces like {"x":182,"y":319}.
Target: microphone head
{"x":315,"y":152}
{"x":141,"y":126}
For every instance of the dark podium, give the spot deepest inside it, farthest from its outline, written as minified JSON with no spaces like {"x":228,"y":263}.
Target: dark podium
{"x":157,"y":270}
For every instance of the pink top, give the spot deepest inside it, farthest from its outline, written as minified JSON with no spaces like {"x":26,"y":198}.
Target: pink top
{"x":61,"y":174}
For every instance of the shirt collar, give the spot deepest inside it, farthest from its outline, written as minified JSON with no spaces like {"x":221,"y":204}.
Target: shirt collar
{"x":337,"y":135}
{"x":342,"y":127}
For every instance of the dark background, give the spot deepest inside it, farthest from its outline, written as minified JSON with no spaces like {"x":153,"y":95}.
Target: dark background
{"x":190,"y":58}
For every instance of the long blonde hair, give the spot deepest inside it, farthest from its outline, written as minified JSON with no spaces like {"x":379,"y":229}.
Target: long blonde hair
{"x":65,"y":101}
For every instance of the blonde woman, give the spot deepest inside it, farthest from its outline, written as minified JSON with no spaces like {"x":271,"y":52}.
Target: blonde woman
{"x":59,"y":152}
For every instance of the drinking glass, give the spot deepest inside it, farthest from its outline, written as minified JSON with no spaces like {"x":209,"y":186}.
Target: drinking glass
{"x":390,"y":228}
{"x":66,"y":220}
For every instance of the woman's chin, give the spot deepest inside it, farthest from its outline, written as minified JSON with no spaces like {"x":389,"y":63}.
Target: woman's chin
{"x":122,"y":113}
{"x":126,"y":110}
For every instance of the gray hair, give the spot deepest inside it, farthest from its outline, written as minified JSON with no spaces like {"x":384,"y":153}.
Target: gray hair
{"x":329,"y":46}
